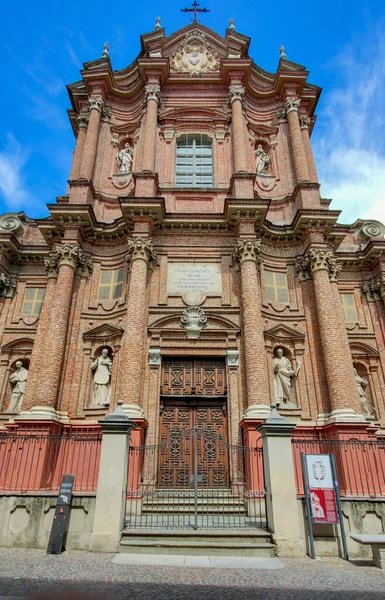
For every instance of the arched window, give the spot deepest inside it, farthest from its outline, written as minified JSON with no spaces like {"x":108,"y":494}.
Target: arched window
{"x":194,"y":161}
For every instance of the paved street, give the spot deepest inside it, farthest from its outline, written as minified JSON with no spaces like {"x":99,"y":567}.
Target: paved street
{"x":28,"y":572}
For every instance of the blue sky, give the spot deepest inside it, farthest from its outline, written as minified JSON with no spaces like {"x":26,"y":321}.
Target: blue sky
{"x":342,"y":44}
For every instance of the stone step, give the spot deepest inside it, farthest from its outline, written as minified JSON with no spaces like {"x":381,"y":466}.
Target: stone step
{"x":204,"y":543}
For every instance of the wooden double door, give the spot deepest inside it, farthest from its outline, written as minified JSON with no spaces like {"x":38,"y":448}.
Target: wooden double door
{"x":193,"y":426}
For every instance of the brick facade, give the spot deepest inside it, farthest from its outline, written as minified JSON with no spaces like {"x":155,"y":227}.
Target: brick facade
{"x":246,"y":223}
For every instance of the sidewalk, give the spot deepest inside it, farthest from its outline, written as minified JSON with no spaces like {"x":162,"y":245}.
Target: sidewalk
{"x":26,"y":572}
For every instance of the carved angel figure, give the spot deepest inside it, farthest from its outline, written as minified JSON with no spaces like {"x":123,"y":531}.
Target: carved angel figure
{"x":262,"y":159}
{"x":124,"y":158}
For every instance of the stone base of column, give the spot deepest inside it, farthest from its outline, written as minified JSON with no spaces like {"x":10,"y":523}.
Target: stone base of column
{"x":345,"y":415}
{"x":146,"y":184}
{"x":257,"y":412}
{"x":133,"y":411}
{"x":242,"y":185}
{"x":43,"y":413}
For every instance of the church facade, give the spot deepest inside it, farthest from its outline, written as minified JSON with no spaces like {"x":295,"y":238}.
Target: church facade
{"x":192,"y":269}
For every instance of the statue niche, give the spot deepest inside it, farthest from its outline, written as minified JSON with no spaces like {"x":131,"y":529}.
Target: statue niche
{"x":363,"y":390}
{"x":124,"y":159}
{"x":265,"y":177}
{"x":101,"y":383}
{"x":284,"y":374}
{"x":18,"y":382}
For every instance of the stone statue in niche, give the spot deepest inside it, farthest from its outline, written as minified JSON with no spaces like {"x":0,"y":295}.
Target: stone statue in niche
{"x":18,"y":380}
{"x":283,"y":375}
{"x":362,"y":384}
{"x":101,"y":385}
{"x":262,"y":160}
{"x":124,"y":158}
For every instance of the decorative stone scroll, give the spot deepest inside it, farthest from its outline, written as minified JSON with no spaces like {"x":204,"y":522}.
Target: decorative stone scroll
{"x":316,"y":259}
{"x":11,"y":223}
{"x":193,"y":320}
{"x":247,"y":250}
{"x":195,"y":56}
{"x":139,"y":248}
{"x":372,"y":229}
{"x":7,"y":286}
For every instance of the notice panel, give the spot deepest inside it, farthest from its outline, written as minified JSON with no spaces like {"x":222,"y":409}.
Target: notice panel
{"x":194,"y":280}
{"x":321,"y":488}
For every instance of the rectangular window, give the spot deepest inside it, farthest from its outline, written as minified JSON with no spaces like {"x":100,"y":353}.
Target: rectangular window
{"x":276,"y":287}
{"x":194,"y":161}
{"x":349,"y":308}
{"x":110,"y":284}
{"x":33,"y":300}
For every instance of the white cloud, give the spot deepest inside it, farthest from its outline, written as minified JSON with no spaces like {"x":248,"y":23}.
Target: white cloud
{"x":349,"y":140}
{"x":49,"y":113}
{"x":12,"y":161}
{"x":74,"y":59}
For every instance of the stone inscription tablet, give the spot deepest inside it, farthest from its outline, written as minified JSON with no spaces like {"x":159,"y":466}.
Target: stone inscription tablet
{"x":194,"y":281}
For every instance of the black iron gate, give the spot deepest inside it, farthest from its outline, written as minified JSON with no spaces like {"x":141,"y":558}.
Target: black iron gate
{"x":220,"y":485}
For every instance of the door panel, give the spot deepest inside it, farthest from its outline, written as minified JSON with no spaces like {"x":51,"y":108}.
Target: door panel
{"x":201,"y":377}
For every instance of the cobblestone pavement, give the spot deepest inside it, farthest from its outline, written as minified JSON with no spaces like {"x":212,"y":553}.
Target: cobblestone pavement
{"x":27,"y":572}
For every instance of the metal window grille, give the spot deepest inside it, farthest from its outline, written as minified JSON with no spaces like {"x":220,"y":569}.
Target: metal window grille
{"x":194,"y":161}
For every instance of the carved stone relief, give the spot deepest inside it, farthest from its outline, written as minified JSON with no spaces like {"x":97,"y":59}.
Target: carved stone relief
{"x":195,"y":56}
{"x":193,"y":320}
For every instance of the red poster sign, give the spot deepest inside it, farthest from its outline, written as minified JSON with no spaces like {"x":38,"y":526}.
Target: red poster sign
{"x":321,"y":489}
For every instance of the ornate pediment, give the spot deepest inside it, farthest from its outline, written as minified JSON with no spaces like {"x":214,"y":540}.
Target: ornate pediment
{"x":195,"y":56}
{"x":361,"y":349}
{"x":106,"y":331}
{"x":284,"y":332}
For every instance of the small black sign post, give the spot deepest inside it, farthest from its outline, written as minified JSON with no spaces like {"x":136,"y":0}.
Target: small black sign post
{"x":56,"y":543}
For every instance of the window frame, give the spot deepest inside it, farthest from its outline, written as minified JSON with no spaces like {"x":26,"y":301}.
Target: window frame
{"x":111,"y":285}
{"x":345,"y":307}
{"x":275,"y":287}
{"x":33,"y":302}
{"x":200,"y":137}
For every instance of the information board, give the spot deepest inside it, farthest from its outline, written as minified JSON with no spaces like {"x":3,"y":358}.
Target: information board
{"x":321,"y":489}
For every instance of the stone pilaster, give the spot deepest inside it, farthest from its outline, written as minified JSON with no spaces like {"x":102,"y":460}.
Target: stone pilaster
{"x":236,"y":99}
{"x":324,"y":270}
{"x":50,"y":349}
{"x":152,"y":95}
{"x":291,"y":107}
{"x":247,"y":254}
{"x":82,"y":122}
{"x":91,"y":139}
{"x":305,"y":123}
{"x":140,"y":254}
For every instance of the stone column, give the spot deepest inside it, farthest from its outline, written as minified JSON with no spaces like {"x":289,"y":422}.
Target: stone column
{"x":334,"y":339}
{"x":152,"y":92}
{"x":305,"y":126}
{"x":140,"y":254}
{"x":112,"y":482}
{"x":66,"y":258}
{"x":33,"y":391}
{"x":281,"y":494}
{"x":91,"y":140}
{"x":236,"y":96}
{"x":291,"y":107}
{"x":82,"y":122}
{"x":247,"y":254}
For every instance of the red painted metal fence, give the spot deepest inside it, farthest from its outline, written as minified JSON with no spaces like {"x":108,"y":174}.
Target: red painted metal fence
{"x":35,"y":461}
{"x":360,"y":464}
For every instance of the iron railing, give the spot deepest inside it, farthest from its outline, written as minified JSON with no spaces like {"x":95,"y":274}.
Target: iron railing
{"x":360,"y":464}
{"x":195,"y":480}
{"x":36,"y":461}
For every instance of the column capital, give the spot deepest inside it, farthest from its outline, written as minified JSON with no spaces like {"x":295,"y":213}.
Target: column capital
{"x":152,"y":92}
{"x":69,"y":254}
{"x":51,"y":265}
{"x":140,"y":248}
{"x":317,"y":259}
{"x":236,"y":92}
{"x":247,"y":250}
{"x":374,"y":289}
{"x":96,"y":102}
{"x":291,"y":104}
{"x":304,"y":122}
{"x":7,"y":285}
{"x":82,"y":121}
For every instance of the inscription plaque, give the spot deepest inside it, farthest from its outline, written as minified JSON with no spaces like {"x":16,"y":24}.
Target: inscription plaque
{"x":194,"y":281}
